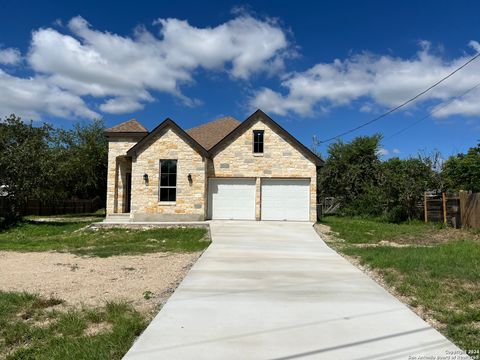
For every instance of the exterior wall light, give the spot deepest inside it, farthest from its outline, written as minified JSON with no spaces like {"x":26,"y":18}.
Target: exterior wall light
{"x":189,"y":178}
{"x":145,"y":178}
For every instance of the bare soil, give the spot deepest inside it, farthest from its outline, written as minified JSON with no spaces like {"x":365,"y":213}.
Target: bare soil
{"x":145,"y":281}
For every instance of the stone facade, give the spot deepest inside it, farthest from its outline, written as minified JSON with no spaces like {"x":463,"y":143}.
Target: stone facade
{"x":235,"y":159}
{"x":280,"y":159}
{"x":118,"y":166}
{"x":190,"y":201}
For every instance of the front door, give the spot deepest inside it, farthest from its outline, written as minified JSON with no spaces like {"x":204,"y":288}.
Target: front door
{"x":128,"y":192}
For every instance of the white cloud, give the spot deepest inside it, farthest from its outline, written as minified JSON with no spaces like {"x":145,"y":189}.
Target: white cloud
{"x":383,"y":81}
{"x":9,"y":56}
{"x":120,"y":105}
{"x":30,"y":97}
{"x":383,"y":152}
{"x":122,"y":71}
{"x":396,"y":151}
{"x":127,"y":68}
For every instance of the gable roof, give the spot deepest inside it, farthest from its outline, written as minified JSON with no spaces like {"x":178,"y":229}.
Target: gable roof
{"x":167,"y":123}
{"x":309,"y":154}
{"x":208,"y":138}
{"x":130,"y":126}
{"x":209,"y":134}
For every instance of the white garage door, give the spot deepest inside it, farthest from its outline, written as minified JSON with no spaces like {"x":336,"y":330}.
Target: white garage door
{"x":285,"y":199}
{"x":231,"y":199}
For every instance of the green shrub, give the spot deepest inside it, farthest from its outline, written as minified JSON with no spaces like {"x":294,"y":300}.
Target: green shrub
{"x":397,"y":214}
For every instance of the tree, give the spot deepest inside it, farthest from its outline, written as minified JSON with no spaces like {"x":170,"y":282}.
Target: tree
{"x":403,"y":184}
{"x":82,"y":158}
{"x":26,"y":163}
{"x":462,"y":172}
{"x":351,"y":173}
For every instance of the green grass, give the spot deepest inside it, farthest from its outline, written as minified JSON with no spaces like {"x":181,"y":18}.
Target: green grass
{"x":67,"y":237}
{"x":368,"y":230}
{"x":441,"y":280}
{"x":31,"y":329}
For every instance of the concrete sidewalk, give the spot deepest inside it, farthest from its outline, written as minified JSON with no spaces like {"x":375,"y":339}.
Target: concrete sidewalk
{"x":274,"y":290}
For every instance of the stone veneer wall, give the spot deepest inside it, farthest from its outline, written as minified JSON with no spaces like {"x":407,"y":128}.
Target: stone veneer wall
{"x":117,"y":167}
{"x":190,"y":204}
{"x":280,"y":159}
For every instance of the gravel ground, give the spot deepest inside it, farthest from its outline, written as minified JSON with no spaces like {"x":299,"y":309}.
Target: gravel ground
{"x":145,"y":281}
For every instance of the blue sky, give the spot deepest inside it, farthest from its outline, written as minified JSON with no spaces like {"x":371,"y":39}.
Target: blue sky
{"x":318,"y":68}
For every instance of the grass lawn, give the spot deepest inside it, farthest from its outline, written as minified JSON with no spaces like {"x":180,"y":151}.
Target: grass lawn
{"x":31,"y":328}
{"x":67,"y":237}
{"x":365,"y":230}
{"x":437,"y":271}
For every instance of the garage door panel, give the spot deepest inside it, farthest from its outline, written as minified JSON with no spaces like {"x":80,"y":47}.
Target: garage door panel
{"x":285,"y":199}
{"x":232,"y":199}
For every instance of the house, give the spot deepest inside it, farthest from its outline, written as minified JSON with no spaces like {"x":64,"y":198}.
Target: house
{"x":224,"y":169}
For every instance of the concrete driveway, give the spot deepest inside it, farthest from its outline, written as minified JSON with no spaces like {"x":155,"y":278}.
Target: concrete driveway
{"x":274,"y":290}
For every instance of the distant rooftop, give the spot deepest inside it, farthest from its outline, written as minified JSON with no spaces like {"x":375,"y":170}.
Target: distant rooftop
{"x":130,"y":126}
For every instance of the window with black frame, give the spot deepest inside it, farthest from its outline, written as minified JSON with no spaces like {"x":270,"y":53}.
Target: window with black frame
{"x":168,"y":180}
{"x":258,"y":141}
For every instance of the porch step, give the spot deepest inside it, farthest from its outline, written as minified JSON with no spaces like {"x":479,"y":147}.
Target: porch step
{"x":118,"y":218}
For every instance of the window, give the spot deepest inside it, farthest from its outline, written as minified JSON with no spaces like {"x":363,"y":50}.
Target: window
{"x":168,"y":180}
{"x":258,"y":141}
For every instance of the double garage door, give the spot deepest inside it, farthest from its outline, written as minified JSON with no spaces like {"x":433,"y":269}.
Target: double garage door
{"x":281,"y":199}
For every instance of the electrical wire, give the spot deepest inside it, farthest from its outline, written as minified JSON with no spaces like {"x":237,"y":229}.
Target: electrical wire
{"x":437,"y":109}
{"x":402,"y":104}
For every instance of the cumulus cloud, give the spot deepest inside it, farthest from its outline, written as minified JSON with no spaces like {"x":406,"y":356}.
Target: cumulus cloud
{"x":103,"y":64}
{"x":383,"y":152}
{"x":9,"y":56}
{"x":30,"y":97}
{"x":122,"y":72}
{"x":382,"y":81}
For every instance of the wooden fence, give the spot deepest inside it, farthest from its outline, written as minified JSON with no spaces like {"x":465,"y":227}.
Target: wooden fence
{"x":60,"y":207}
{"x":456,"y":210}
{"x":470,"y":209}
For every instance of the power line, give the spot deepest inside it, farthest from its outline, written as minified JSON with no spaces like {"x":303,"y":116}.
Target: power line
{"x":402,"y":104}
{"x":433,"y":112}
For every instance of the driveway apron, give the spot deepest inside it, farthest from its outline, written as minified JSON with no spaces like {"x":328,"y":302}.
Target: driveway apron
{"x":275,"y":290}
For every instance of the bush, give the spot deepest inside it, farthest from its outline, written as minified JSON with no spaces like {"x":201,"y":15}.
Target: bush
{"x":368,"y":203}
{"x":397,"y":214}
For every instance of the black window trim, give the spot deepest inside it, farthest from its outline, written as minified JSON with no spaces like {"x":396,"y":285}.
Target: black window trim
{"x":160,"y":186}
{"x":259,"y":143}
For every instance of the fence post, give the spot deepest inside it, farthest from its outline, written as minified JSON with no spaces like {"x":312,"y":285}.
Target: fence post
{"x":444,"y":205}
{"x":463,"y":208}
{"x":425,"y":210}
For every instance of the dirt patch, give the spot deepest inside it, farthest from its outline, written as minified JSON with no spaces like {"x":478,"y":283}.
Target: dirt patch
{"x":98,"y":328}
{"x":428,"y":239}
{"x":326,"y":233}
{"x":439,"y":236}
{"x":66,"y":219}
{"x":384,"y":243}
{"x":93,"y":281}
